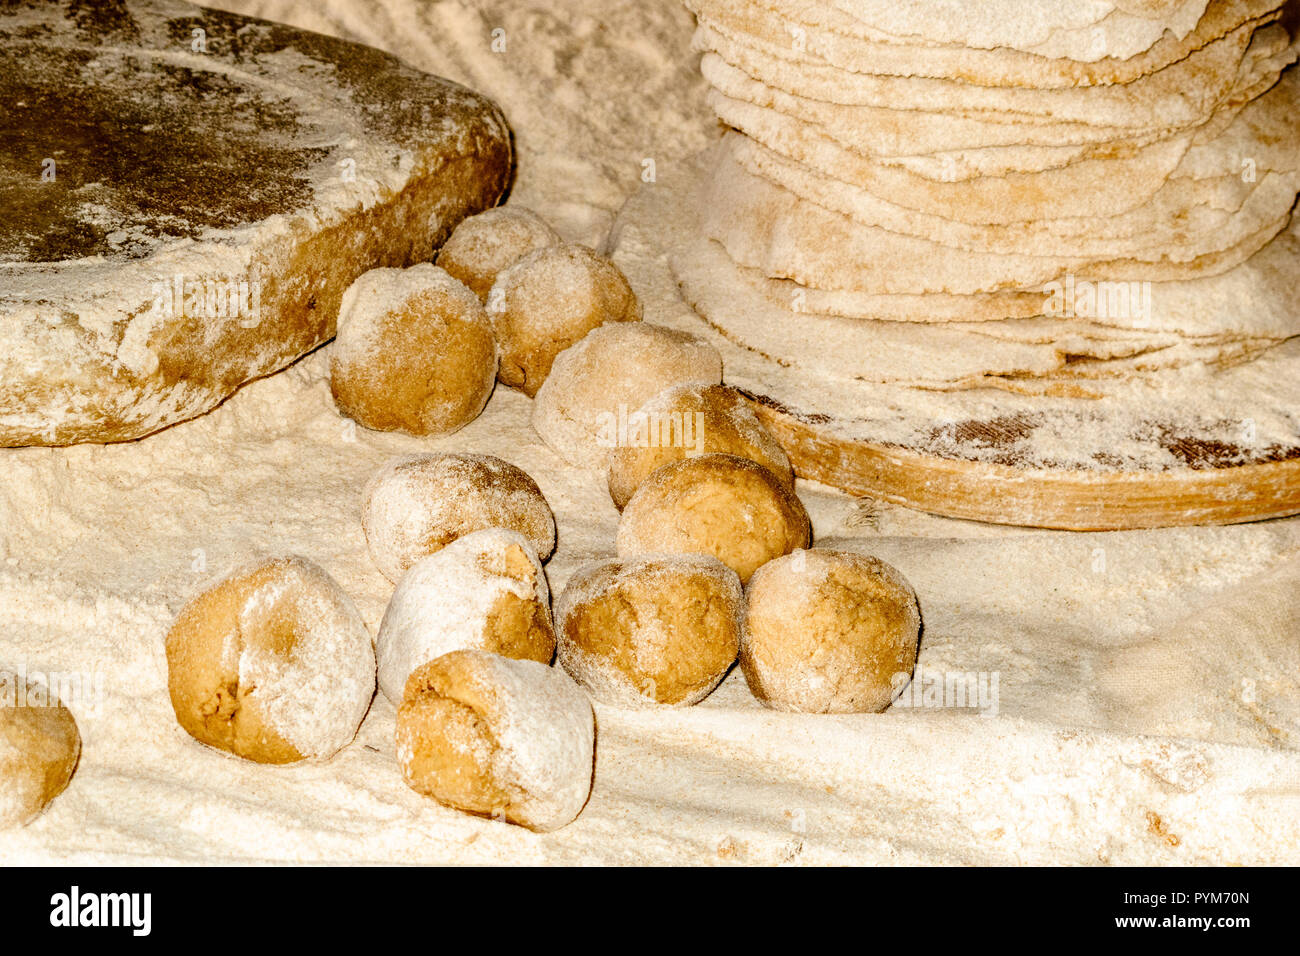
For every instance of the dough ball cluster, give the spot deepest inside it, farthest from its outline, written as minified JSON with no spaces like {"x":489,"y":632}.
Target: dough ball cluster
{"x":417,"y":504}
{"x":272,"y":663}
{"x":482,"y":246}
{"x":547,"y":301}
{"x":415,"y":352}
{"x":687,"y":420}
{"x":614,"y":370}
{"x":498,"y":737}
{"x":721,"y":505}
{"x":484,"y":591}
{"x":39,"y":748}
{"x":829,"y":632}
{"x":656,"y":630}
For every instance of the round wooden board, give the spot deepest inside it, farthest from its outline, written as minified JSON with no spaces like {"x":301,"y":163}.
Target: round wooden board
{"x":963,"y":453}
{"x":1069,"y":499}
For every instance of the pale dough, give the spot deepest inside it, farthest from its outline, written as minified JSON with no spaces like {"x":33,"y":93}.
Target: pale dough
{"x":485,"y":591}
{"x":417,"y":504}
{"x":721,"y":505}
{"x":549,"y":300}
{"x":415,"y":352}
{"x":483,"y":245}
{"x":829,"y":632}
{"x":663,"y":629}
{"x":498,"y":737}
{"x":272,"y":663}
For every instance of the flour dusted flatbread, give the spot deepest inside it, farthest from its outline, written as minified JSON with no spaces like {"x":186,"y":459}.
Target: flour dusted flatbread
{"x":1255,"y":300}
{"x":211,"y":185}
{"x":967,"y":355}
{"x":764,"y":226}
{"x":1058,"y":28}
{"x":1184,"y":217}
{"x":885,"y":131}
{"x":841,"y":41}
{"x":1182,"y":211}
{"x":1184,"y":92}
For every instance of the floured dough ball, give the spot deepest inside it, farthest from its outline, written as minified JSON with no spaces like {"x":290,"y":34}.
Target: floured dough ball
{"x":498,"y":736}
{"x":482,"y":246}
{"x":829,"y":632}
{"x":722,"y":505}
{"x":547,"y":301}
{"x":657,"y":630}
{"x":417,"y":504}
{"x":688,"y":420}
{"x":485,"y":591}
{"x":273,"y":663}
{"x":414,"y":353}
{"x":39,"y":747}
{"x":615,"y":369}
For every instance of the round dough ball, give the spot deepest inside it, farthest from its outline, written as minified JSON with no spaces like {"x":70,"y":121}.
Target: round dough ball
{"x":485,"y":591}
{"x":688,"y":420}
{"x":414,"y":353}
{"x":498,"y":737}
{"x":722,"y":505}
{"x":547,"y":301}
{"x":612,"y":371}
{"x":484,"y":245}
{"x":39,"y":748}
{"x":828,"y":632}
{"x":658,"y":630}
{"x":272,"y":663}
{"x":417,"y":504}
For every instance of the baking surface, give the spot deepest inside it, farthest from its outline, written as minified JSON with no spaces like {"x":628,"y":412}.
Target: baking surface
{"x":1147,"y":683}
{"x":1178,"y":446}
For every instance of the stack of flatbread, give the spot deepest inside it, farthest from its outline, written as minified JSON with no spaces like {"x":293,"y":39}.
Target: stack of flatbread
{"x":958,"y":193}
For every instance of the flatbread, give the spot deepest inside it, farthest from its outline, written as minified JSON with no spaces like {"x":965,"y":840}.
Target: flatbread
{"x":887,"y":131}
{"x":816,"y":168}
{"x":1255,"y":300}
{"x":839,"y":40}
{"x":1183,"y":93}
{"x":923,"y":355}
{"x":767,"y":227}
{"x":1079,"y":29}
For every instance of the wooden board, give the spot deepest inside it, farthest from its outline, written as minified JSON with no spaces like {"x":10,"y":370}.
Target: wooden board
{"x":967,"y":454}
{"x":1207,"y":490}
{"x":161,"y":161}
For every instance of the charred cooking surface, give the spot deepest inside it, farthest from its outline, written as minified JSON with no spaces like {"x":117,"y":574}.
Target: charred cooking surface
{"x":152,"y":140}
{"x":185,"y":194}
{"x":142,"y":151}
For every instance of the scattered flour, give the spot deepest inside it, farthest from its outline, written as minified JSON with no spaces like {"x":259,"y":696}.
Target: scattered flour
{"x":99,"y":545}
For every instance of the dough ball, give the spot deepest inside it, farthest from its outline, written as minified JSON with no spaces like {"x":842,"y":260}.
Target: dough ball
{"x":414,"y":353}
{"x":722,"y":505}
{"x":663,"y":629}
{"x":273,"y":663}
{"x":497,"y":736}
{"x":484,"y":245}
{"x":485,"y":591}
{"x":826,"y":632}
{"x":614,"y":370}
{"x":39,"y":748}
{"x":547,"y":301}
{"x":417,"y":504}
{"x":690,"y":420}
